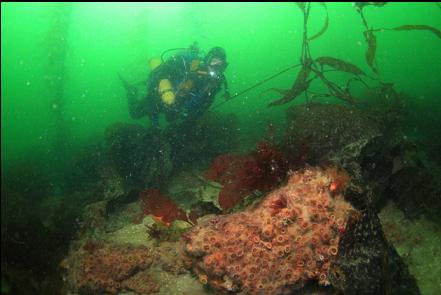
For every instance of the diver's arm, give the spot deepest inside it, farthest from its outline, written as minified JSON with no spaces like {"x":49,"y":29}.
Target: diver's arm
{"x":137,"y":109}
{"x":226,"y":94}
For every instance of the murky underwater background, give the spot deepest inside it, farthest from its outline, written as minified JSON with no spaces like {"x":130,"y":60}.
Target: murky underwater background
{"x":77,"y":169}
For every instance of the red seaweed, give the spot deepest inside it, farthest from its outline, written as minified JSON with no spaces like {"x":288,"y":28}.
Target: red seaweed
{"x":163,"y":209}
{"x":261,"y":170}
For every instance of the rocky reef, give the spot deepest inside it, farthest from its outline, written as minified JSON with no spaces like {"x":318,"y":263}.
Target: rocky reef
{"x":296,"y":224}
{"x":301,"y":234}
{"x":327,"y":131}
{"x":371,"y":145}
{"x":302,"y":237}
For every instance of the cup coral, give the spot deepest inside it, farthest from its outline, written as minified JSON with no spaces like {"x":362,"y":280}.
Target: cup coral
{"x":291,"y":237}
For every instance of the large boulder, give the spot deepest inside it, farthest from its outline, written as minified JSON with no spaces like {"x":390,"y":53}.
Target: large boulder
{"x":139,"y":154}
{"x":328,"y":131}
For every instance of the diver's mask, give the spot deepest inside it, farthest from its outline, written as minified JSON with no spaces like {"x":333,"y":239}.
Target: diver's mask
{"x":216,"y":67}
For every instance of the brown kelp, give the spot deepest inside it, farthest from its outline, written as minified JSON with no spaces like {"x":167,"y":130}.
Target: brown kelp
{"x":371,"y":39}
{"x":412,"y":28}
{"x":317,"y":68}
{"x":300,"y":85}
{"x":325,"y":25}
{"x":339,"y":65}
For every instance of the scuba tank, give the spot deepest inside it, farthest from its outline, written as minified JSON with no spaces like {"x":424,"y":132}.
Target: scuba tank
{"x":191,"y":52}
{"x":190,"y":60}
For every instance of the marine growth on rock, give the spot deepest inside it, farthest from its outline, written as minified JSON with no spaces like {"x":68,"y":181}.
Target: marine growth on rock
{"x":288,"y":239}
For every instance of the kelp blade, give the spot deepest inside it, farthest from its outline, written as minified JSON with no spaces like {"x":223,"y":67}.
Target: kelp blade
{"x":325,"y":25}
{"x":340,"y":65}
{"x":300,"y":85}
{"x":419,"y":27}
{"x":372,"y":50}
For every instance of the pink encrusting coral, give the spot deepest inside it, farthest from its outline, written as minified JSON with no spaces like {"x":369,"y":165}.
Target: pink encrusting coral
{"x":105,"y":267}
{"x":291,"y":237}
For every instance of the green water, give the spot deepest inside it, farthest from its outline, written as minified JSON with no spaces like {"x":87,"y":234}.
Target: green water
{"x":260,"y":39}
{"x":59,"y":65}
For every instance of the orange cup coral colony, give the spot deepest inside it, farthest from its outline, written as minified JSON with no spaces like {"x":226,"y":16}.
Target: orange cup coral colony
{"x":104,"y":267}
{"x":289,"y":238}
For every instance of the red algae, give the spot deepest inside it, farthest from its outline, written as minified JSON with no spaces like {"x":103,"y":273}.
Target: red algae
{"x":163,"y":209}
{"x":242,"y":174}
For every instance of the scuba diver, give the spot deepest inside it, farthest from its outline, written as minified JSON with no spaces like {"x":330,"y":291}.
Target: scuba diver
{"x":182,"y":88}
